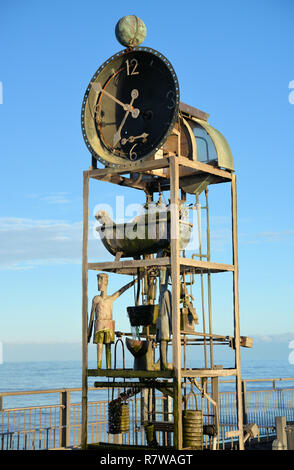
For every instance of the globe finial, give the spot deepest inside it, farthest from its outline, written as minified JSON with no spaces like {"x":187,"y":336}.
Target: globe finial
{"x":130,"y":31}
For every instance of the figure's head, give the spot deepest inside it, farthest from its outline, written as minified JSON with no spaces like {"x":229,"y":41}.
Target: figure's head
{"x":100,"y":216}
{"x":102,"y":280}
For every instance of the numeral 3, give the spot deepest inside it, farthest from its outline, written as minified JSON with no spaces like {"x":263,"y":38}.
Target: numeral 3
{"x":171,"y":97}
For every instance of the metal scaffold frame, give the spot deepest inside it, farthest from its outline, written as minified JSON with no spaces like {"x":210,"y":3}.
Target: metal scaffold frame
{"x":174,"y":167}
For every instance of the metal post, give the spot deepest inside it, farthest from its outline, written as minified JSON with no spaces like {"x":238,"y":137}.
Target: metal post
{"x":290,"y":437}
{"x":65,"y":419}
{"x":166,"y":411}
{"x":144,"y":410}
{"x":281,"y":431}
{"x":209,"y":280}
{"x":201,"y":278}
{"x":84,"y":428}
{"x":215,"y":397}
{"x":244,"y":401}
{"x":236,"y":312}
{"x":175,"y":275}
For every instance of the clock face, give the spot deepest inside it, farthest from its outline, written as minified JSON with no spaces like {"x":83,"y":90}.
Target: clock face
{"x":130,"y":107}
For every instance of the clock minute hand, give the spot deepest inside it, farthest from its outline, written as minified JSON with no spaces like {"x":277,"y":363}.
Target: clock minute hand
{"x":135,"y":114}
{"x":117,"y":135}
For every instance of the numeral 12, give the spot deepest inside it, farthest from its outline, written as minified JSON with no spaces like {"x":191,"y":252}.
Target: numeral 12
{"x":132,"y":66}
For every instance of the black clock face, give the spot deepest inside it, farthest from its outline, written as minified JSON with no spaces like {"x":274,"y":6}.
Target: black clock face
{"x":130,"y":106}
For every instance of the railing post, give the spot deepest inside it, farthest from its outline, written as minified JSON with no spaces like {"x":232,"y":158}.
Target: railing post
{"x":290,"y":437}
{"x":65,"y":419}
{"x":144,"y":406}
{"x":215,"y":397}
{"x":281,"y":431}
{"x":244,"y":402}
{"x":167,"y":415}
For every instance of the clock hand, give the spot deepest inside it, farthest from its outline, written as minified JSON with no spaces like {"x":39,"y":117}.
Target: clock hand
{"x":127,"y":107}
{"x":135,"y":114}
{"x":133,"y":138}
{"x":117,"y":135}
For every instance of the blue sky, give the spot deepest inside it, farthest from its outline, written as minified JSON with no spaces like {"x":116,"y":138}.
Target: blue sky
{"x":233,"y":60}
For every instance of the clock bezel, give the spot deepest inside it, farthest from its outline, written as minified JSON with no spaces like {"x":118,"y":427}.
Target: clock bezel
{"x":104,"y":155}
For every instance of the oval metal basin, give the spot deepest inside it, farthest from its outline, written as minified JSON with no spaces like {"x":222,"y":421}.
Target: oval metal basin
{"x":137,"y":347}
{"x":135,"y":240}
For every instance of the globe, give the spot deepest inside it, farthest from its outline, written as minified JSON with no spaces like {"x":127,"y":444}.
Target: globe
{"x":130,"y":31}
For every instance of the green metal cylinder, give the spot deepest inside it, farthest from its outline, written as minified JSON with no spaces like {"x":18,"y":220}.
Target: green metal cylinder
{"x":192,"y":426}
{"x":118,"y":417}
{"x":193,"y":429}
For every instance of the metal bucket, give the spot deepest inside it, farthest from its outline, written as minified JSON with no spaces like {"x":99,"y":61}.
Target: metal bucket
{"x":118,"y":417}
{"x":142,"y":315}
{"x":192,"y":426}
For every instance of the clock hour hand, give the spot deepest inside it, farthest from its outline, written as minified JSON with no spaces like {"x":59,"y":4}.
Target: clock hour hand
{"x":132,"y":138}
{"x":127,"y":107}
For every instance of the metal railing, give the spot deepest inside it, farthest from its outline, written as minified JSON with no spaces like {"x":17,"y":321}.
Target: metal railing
{"x":58,"y":425}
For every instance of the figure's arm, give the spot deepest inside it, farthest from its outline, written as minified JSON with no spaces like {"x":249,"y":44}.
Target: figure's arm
{"x":123,"y":289}
{"x":193,"y":312}
{"x":90,"y":327}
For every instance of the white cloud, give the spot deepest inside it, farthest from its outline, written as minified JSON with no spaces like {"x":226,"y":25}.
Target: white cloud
{"x":27,"y":243}
{"x":57,"y":198}
{"x":52,"y":198}
{"x":275,"y":338}
{"x":277,"y":236}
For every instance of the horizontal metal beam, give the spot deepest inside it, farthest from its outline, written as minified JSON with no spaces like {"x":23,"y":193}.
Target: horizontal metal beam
{"x":130,"y":373}
{"x":209,"y":372}
{"x":161,"y":385}
{"x":158,"y":164}
{"x":191,"y":111}
{"x":148,"y":165}
{"x":204,"y":167}
{"x":132,"y":265}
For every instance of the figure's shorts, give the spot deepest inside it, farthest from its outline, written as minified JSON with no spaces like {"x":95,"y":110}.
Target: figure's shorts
{"x":104,"y":336}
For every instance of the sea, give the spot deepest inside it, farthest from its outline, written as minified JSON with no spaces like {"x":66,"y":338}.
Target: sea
{"x":22,"y":379}
{"x":58,"y":375}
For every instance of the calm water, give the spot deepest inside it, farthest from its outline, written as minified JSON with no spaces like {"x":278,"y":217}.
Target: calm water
{"x":29,"y":376}
{"x":68,"y":374}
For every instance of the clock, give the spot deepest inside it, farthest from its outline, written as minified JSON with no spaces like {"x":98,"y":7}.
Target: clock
{"x":130,"y":107}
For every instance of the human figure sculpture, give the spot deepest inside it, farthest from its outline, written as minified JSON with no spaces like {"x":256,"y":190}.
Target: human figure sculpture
{"x":101,"y":317}
{"x":164,"y":320}
{"x":189,"y":317}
